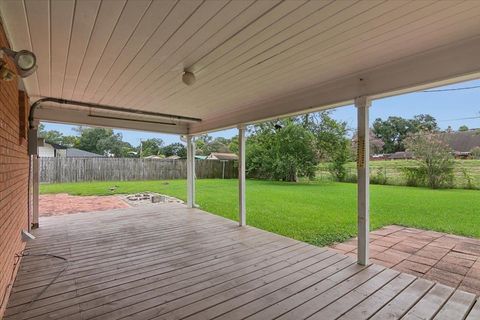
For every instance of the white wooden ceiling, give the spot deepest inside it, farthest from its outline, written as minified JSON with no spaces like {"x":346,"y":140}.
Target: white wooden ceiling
{"x":252,"y":59}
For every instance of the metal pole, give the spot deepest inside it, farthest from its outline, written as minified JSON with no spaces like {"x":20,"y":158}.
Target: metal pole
{"x":363,"y":157}
{"x":242,"y":215}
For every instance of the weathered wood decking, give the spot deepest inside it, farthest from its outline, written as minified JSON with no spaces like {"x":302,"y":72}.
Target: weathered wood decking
{"x":169,"y":262}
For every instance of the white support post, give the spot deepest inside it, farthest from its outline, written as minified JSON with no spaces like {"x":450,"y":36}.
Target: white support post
{"x":190,"y":172}
{"x":33,"y":221}
{"x":363,"y":157}
{"x":242,"y":214}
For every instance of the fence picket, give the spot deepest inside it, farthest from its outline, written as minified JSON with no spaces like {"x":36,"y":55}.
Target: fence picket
{"x":56,"y":170}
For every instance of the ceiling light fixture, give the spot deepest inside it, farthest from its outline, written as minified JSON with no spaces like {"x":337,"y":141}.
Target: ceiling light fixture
{"x":188,"y":78}
{"x":25,"y":61}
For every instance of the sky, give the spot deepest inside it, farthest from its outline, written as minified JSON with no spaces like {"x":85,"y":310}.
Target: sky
{"x":450,"y":108}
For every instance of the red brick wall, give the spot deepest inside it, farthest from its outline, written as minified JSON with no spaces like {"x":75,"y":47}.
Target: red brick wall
{"x":13,"y":178}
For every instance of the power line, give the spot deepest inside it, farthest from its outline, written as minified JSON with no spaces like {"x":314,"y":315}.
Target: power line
{"x":458,"y":119}
{"x":451,"y":89}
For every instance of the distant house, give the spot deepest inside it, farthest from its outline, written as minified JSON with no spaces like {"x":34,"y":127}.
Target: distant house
{"x":462,"y":142}
{"x":199,"y":157}
{"x":400,"y":155}
{"x":174,"y":157}
{"x":154,"y":157}
{"x":222,"y":156}
{"x":54,"y":150}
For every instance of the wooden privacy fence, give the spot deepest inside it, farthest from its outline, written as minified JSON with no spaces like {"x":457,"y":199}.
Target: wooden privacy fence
{"x":54,"y":170}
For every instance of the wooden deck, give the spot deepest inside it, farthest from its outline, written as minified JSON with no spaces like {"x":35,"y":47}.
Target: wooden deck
{"x":169,"y":262}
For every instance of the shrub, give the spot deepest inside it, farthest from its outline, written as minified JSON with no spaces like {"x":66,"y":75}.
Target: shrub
{"x":414,"y":176}
{"x":469,"y":184}
{"x":380,"y":177}
{"x":434,"y":157}
{"x":475,"y":153}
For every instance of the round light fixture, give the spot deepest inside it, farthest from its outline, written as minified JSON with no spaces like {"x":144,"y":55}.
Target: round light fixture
{"x":25,"y":61}
{"x":188,"y":78}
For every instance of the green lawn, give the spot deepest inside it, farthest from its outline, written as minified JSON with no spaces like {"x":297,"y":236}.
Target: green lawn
{"x":316,"y":212}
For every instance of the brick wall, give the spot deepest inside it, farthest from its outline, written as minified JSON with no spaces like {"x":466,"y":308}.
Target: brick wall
{"x":13,"y":177}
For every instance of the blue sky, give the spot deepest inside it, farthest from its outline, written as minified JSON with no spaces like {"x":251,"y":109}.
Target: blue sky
{"x":449,"y":108}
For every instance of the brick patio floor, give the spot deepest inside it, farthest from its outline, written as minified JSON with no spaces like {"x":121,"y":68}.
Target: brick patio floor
{"x":448,"y":259}
{"x":63,"y":203}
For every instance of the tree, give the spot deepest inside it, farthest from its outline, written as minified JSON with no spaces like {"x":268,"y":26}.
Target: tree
{"x":54,"y":136}
{"x":376,"y":144}
{"x":284,"y":153}
{"x":463,"y":128}
{"x":102,"y":141}
{"x":434,"y":158}
{"x":175,"y":149}
{"x":150,"y":147}
{"x":394,"y":130}
{"x":331,"y":142}
{"x":206,"y":144}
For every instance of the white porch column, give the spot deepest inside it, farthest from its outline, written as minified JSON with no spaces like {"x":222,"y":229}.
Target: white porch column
{"x":190,"y":172}
{"x":363,"y":156}
{"x":242,"y":213}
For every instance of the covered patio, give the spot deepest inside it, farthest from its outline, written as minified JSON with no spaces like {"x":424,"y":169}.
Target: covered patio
{"x":171,"y":262}
{"x":191,"y":67}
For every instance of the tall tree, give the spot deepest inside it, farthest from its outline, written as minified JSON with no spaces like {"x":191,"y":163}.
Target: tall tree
{"x":394,"y":130}
{"x":150,"y":147}
{"x":281,"y":152}
{"x":175,"y":149}
{"x":102,"y":141}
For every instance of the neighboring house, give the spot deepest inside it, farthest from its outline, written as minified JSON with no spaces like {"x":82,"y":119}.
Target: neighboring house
{"x":154,"y":157}
{"x":198,"y":157}
{"x":462,"y":142}
{"x":174,"y":157}
{"x":400,"y":155}
{"x":54,"y":150}
{"x":222,"y":156}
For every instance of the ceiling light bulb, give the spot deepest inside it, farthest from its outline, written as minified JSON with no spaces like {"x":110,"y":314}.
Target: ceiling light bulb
{"x":188,"y":78}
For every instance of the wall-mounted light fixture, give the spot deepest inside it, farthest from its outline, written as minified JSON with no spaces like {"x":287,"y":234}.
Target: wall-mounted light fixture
{"x":25,"y":63}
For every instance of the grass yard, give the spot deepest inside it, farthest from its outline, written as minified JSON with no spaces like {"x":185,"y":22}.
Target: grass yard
{"x":316,"y":212}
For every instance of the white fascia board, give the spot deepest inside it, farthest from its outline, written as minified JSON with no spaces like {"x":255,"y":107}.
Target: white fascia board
{"x":71,"y":116}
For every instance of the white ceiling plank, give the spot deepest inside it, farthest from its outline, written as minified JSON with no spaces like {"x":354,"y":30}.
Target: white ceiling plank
{"x":290,"y":80}
{"x":107,"y":19}
{"x":251,"y":54}
{"x":16,"y":27}
{"x":276,"y":21}
{"x":259,"y":10}
{"x":138,"y":21}
{"x":288,"y":12}
{"x":83,"y":22}
{"x":61,"y":20}
{"x":185,"y":34}
{"x":39,"y":29}
{"x":170,"y":24}
{"x":174,"y":64}
{"x":299,"y":34}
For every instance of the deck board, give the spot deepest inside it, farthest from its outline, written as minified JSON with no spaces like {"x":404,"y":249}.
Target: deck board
{"x":170,"y":262}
